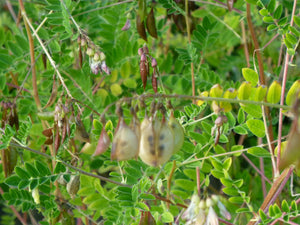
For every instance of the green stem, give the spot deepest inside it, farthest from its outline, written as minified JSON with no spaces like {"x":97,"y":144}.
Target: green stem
{"x":188,"y":30}
{"x":285,"y":71}
{"x":176,"y":96}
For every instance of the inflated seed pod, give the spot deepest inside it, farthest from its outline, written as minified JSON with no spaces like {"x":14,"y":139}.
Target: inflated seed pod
{"x":135,"y":125}
{"x":177,"y":131}
{"x":157,"y":142}
{"x":103,"y":143}
{"x":73,"y":185}
{"x":36,"y":196}
{"x":125,"y":145}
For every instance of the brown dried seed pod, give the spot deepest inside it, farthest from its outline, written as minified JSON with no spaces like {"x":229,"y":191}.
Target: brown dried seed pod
{"x":48,"y":132}
{"x":80,"y":133}
{"x":141,"y":27}
{"x":147,"y":219}
{"x":150,"y":23}
{"x":154,"y":81}
{"x":143,"y":72}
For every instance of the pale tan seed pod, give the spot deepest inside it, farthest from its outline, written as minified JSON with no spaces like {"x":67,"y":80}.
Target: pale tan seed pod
{"x":157,"y":142}
{"x":36,"y":196}
{"x":177,"y":131}
{"x":135,"y":125}
{"x":125,"y":145}
{"x":103,"y":143}
{"x":61,"y":180}
{"x":73,"y":185}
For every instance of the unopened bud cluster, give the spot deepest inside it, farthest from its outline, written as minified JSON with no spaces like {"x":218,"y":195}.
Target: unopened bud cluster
{"x":248,"y":91}
{"x":145,"y":60}
{"x":154,"y":140}
{"x":96,"y":57}
{"x":203,"y":211}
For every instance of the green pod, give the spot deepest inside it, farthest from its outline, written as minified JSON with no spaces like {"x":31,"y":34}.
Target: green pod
{"x":150,"y":23}
{"x":216,"y":91}
{"x":49,"y":116}
{"x":260,"y":93}
{"x":244,"y":91}
{"x":274,"y":92}
{"x":142,"y":11}
{"x":140,"y":26}
{"x":293,"y":93}
{"x":230,"y":94}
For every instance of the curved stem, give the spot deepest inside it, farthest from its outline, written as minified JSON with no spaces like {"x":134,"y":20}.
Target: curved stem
{"x":69,"y":166}
{"x":32,"y":57}
{"x":188,"y":30}
{"x":285,"y":71}
{"x":261,"y":69}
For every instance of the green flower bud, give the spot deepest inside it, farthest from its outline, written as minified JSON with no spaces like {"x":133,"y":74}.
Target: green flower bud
{"x":260,"y":93}
{"x":293,"y":93}
{"x":216,"y":91}
{"x":274,"y":93}
{"x":244,"y":91}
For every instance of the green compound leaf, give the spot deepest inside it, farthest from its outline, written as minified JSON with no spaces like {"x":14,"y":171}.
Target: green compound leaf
{"x":13,"y":181}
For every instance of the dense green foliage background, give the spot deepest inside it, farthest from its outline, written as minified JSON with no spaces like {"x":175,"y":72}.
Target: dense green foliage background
{"x":50,"y":81}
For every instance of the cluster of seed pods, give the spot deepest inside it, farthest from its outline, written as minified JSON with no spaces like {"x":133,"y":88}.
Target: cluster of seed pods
{"x":145,"y":67}
{"x":154,"y":140}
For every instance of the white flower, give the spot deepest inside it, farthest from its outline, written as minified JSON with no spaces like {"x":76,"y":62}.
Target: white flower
{"x":212,"y":217}
{"x":95,"y":66}
{"x":105,"y":68}
{"x":200,"y":219}
{"x":224,"y":212}
{"x":191,"y":212}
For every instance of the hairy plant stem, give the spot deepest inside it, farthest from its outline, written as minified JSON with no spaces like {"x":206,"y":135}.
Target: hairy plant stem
{"x":285,"y":71}
{"x":188,"y":30}
{"x":170,"y":181}
{"x":225,"y":6}
{"x":176,"y":96}
{"x":221,"y":5}
{"x":104,"y":7}
{"x":32,"y":57}
{"x":257,"y":170}
{"x":246,"y":51}
{"x":68,"y":165}
{"x":53,"y":64}
{"x":221,"y":154}
{"x":274,"y":192}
